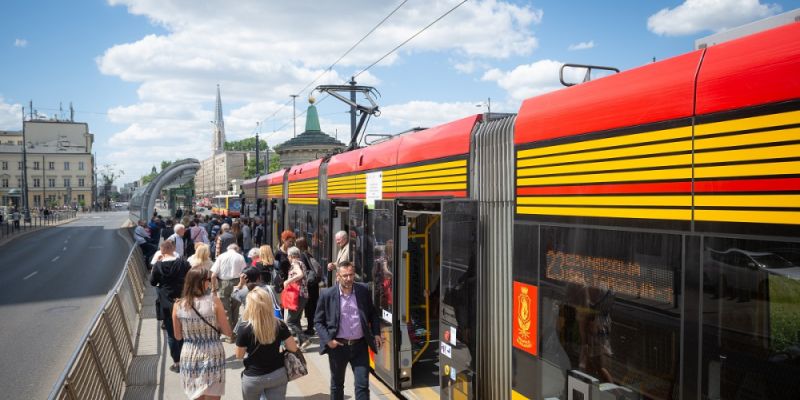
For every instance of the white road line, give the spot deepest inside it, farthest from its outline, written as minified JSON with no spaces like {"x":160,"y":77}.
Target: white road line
{"x":55,"y":259}
{"x":65,"y":242}
{"x":32,"y":274}
{"x":65,"y":249}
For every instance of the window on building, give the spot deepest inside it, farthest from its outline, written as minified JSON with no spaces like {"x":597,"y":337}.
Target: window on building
{"x":19,"y":182}
{"x":66,"y":199}
{"x":51,"y":182}
{"x":36,"y":165}
{"x":37,"y":182}
{"x":5,"y":182}
{"x":81,"y":182}
{"x":19,"y":165}
{"x":5,"y":165}
{"x":51,"y":198}
{"x":37,"y":200}
{"x":51,"y":165}
{"x":66,"y":182}
{"x":81,"y":198}
{"x":80,"y":165}
{"x":66,"y":165}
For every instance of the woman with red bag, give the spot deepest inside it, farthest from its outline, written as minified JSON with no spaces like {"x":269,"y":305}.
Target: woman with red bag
{"x":295,"y":295}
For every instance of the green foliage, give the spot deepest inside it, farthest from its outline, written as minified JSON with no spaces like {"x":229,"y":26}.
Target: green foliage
{"x":248,"y":144}
{"x":250,"y":167}
{"x":165,"y":165}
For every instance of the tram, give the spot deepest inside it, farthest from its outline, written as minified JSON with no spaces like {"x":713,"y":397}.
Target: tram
{"x":227,"y":205}
{"x":632,"y":237}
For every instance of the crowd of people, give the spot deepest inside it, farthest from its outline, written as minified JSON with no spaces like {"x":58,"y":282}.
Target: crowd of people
{"x":207,"y":269}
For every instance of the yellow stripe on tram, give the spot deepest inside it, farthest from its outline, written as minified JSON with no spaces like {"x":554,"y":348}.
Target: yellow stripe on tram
{"x":683,"y":159}
{"x":791,"y":117}
{"x":632,"y":139}
{"x":643,"y":213}
{"x":648,"y":175}
{"x":764,"y":217}
{"x":682,"y":146}
{"x":663,"y":201}
{"x":756,"y":200}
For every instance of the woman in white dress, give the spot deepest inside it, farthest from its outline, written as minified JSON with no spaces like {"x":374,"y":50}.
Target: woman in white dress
{"x":199,"y":320}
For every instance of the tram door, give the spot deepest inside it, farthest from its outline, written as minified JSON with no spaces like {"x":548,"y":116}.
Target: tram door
{"x":417,"y":298}
{"x":277,"y":222}
{"x":321,"y":242}
{"x":357,"y":214}
{"x":382,"y":222}
{"x":458,"y":299}
{"x":269,"y":218}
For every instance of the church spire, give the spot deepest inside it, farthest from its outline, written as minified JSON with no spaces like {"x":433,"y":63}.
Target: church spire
{"x":219,"y":126}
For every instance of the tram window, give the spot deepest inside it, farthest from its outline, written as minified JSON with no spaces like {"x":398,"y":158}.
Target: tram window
{"x":751,"y":319}
{"x":610,"y":309}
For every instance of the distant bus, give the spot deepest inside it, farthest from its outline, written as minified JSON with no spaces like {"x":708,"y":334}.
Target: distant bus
{"x":229,"y":205}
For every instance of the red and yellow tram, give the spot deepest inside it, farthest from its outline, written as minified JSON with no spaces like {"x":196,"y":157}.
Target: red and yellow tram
{"x":633,"y":237}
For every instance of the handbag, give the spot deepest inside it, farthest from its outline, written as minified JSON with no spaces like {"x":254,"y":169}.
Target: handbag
{"x":290,"y":296}
{"x":295,"y":364}
{"x":204,"y":320}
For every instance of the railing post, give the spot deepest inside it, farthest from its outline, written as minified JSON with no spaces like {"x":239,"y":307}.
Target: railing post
{"x":117,"y":350}
{"x":97,"y":362}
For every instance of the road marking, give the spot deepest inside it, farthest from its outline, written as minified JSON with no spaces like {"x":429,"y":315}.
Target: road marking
{"x":95,"y":247}
{"x":65,"y":248}
{"x":65,"y":242}
{"x":55,"y":259}
{"x":32,"y":274}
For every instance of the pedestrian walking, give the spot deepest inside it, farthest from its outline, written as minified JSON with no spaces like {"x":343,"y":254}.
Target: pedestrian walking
{"x":201,"y":257}
{"x":264,"y":372}
{"x":295,"y":295}
{"x":169,"y":273}
{"x":313,"y":274}
{"x":347,"y":325}
{"x":199,"y":320}
{"x":225,"y":272}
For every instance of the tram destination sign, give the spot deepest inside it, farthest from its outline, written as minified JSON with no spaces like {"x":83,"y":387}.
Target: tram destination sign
{"x":627,"y":278}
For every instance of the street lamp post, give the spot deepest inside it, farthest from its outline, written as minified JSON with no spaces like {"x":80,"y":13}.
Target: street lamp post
{"x":26,"y":211}
{"x":258,"y":211}
{"x":294,"y":115}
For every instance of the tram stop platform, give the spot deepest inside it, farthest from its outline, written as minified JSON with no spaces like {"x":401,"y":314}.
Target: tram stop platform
{"x":149,"y":376}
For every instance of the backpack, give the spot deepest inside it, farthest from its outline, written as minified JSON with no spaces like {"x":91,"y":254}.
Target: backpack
{"x":313,"y":272}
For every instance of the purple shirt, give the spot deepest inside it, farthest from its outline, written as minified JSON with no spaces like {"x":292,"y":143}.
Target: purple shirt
{"x":349,"y":321}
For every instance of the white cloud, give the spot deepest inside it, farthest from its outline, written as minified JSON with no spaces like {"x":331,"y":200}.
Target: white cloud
{"x":20,"y":43}
{"x":695,"y":16}
{"x":581,"y":46}
{"x":530,"y":80}
{"x":261,"y":52}
{"x":10,"y":115}
{"x":427,"y":113}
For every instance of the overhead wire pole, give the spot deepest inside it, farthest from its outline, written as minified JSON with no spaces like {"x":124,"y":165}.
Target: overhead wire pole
{"x":294,"y":115}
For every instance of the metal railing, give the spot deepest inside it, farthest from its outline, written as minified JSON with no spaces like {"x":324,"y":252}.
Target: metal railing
{"x":10,"y":228}
{"x":99,"y":367}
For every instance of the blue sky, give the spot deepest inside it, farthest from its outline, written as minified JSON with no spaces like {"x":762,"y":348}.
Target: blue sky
{"x":143,"y":73}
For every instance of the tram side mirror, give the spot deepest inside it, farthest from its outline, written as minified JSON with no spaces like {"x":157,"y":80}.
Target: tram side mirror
{"x":573,"y":74}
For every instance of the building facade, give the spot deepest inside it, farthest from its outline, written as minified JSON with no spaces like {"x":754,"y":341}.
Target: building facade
{"x":60,"y":167}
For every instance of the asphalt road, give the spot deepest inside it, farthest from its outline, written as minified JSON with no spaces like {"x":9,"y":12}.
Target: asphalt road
{"x":52,"y":282}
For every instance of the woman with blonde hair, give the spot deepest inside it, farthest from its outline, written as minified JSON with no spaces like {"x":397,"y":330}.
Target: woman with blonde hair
{"x":199,"y":320}
{"x":266,"y":263}
{"x":201,"y":257}
{"x":261,"y":336}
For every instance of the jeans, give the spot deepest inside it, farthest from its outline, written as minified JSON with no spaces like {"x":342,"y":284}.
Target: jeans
{"x":175,"y":345}
{"x":272,"y":385}
{"x":293,"y":321}
{"x":358,"y":357}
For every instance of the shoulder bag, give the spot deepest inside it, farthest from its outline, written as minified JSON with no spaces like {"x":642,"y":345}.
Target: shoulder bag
{"x":206,"y":321}
{"x":295,"y":364}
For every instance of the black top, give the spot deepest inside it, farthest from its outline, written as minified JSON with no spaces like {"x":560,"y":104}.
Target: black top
{"x":267,"y":357}
{"x":284,"y":264}
{"x":169,"y":276}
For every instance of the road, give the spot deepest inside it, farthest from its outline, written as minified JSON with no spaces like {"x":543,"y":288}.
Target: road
{"x":52,"y":282}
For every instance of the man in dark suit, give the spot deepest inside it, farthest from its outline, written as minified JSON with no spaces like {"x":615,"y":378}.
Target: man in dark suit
{"x":347,"y":323}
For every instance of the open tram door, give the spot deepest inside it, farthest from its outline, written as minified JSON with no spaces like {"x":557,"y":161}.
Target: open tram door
{"x":382,"y":224}
{"x":458,"y":299}
{"x":416,"y":298}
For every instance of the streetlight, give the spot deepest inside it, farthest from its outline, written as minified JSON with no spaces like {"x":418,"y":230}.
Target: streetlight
{"x":294,"y":115}
{"x":26,"y":211}
{"x":258,"y":128}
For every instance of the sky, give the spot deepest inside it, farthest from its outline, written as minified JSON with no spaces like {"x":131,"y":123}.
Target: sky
{"x":143,"y":73}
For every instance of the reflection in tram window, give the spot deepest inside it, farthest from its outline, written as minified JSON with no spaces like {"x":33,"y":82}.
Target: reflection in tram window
{"x":751,"y":319}
{"x":610,"y":310}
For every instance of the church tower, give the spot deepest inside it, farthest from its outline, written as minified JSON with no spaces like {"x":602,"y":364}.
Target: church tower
{"x":219,"y":127}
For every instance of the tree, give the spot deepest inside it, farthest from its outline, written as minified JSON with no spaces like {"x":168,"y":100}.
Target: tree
{"x":149,"y":177}
{"x":165,"y":165}
{"x":248,"y":144}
